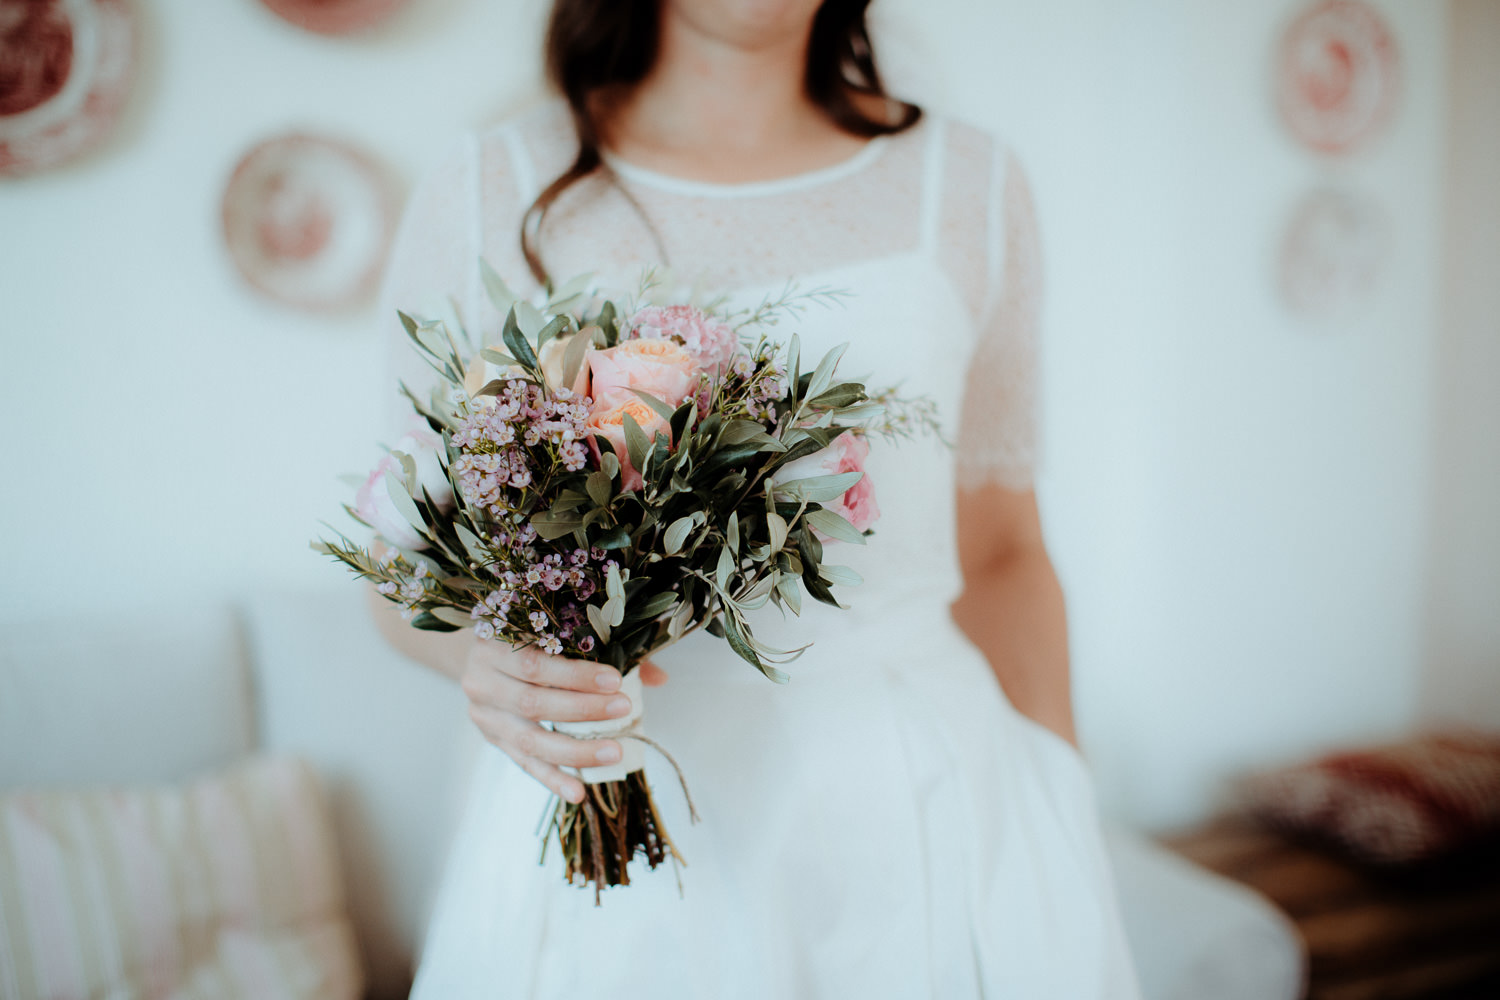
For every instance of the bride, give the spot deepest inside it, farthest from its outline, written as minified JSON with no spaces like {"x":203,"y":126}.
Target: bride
{"x":909,"y":816}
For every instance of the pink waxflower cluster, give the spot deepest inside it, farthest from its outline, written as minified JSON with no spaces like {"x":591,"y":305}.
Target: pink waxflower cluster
{"x":495,"y":442}
{"x":546,"y":592}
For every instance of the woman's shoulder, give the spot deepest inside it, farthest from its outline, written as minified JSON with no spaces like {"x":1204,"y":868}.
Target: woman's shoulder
{"x":537,"y":138}
{"x":967,"y":140}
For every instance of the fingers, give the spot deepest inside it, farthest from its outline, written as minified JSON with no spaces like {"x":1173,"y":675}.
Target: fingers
{"x":532,"y":702}
{"x":540,"y":752}
{"x":564,"y":785}
{"x":534,"y":667}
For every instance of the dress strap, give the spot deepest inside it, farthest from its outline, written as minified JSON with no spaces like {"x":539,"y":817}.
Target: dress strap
{"x":932,"y":184}
{"x":995,"y":244}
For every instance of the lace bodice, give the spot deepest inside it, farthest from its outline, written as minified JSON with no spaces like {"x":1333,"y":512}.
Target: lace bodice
{"x":943,"y":192}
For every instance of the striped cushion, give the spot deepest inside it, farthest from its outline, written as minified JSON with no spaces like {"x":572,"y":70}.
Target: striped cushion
{"x":1390,"y":805}
{"x":225,"y":887}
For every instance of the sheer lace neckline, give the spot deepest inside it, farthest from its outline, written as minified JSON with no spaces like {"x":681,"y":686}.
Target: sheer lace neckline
{"x":867,"y":155}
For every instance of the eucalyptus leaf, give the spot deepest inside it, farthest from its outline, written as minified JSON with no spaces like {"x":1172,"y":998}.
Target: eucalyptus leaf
{"x":610,"y":463}
{"x":428,"y":622}
{"x":555,"y":326}
{"x":677,"y":534}
{"x":598,"y":485}
{"x":573,"y":356}
{"x":477,"y":550}
{"x":662,"y":409}
{"x":732,"y":532}
{"x":550,"y":526}
{"x":500,"y":295}
{"x":724,"y":570}
{"x":843,"y":576}
{"x":790,"y":593}
{"x":776,"y":527}
{"x":497,"y":357}
{"x":453,"y":616}
{"x":738,"y":643}
{"x":516,"y":341}
{"x":844,"y":394}
{"x":653,"y":608}
{"x":834,"y":526}
{"x":740,"y":431}
{"x":793,"y":363}
{"x":573,"y":288}
{"x":617,"y":537}
{"x":597,"y":622}
{"x":404,"y":504}
{"x":819,"y":489}
{"x":636,"y":443}
{"x":614,"y":610}
{"x":529,"y":319}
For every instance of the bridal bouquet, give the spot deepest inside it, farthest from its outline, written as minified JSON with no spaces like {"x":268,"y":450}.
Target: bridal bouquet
{"x":613,"y":479}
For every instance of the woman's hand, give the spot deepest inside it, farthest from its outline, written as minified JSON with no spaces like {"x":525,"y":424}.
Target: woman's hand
{"x":510,"y":691}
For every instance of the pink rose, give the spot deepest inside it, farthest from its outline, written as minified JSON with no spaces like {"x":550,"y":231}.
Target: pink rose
{"x":609,"y":422}
{"x":845,"y":453}
{"x":373,"y":503}
{"x":658,"y":367}
{"x":712,"y":344}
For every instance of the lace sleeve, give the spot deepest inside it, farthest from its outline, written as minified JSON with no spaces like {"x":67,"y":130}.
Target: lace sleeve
{"x":432,"y":273}
{"x":998,"y":429}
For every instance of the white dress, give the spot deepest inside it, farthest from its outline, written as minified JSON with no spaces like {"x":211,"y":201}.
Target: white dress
{"x":886,"y":824}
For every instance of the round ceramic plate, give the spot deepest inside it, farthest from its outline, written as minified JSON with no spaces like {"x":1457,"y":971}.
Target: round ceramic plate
{"x":1331,"y":254}
{"x":308,"y":221}
{"x":334,"y":17}
{"x":1337,"y":75}
{"x":65,"y":72}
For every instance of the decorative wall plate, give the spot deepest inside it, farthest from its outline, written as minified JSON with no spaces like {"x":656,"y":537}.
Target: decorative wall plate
{"x":334,"y":17}
{"x":1337,"y":75}
{"x":65,"y":73}
{"x":1332,"y":252}
{"x":308,"y":220}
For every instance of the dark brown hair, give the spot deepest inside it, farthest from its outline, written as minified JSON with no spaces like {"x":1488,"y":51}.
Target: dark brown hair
{"x":599,"y":46}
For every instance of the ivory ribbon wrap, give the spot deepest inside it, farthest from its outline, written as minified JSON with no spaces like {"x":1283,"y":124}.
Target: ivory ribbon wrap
{"x":632,"y":752}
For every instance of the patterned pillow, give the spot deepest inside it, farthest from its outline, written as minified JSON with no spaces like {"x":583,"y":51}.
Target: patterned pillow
{"x":1389,"y":805}
{"x":227,"y":886}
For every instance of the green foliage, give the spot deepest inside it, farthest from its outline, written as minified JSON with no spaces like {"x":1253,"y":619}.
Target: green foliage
{"x":713,"y":533}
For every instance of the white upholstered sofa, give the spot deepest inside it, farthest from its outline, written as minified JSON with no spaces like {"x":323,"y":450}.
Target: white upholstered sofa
{"x":159,"y":699}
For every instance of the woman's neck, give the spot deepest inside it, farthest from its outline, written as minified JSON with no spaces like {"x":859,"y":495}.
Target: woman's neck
{"x":724,"y":106}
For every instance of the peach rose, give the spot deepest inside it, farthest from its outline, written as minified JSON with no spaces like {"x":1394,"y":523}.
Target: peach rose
{"x":609,"y":423}
{"x":845,"y":453}
{"x":658,"y":367}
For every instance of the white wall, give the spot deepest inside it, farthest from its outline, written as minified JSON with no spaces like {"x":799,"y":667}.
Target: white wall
{"x":1461,"y":682}
{"x":1234,"y":499}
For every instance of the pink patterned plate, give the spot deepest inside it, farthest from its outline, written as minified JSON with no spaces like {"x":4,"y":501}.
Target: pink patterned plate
{"x":1332,"y":252}
{"x":334,"y":17}
{"x":65,"y":73}
{"x":1337,"y":78}
{"x":308,"y":221}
